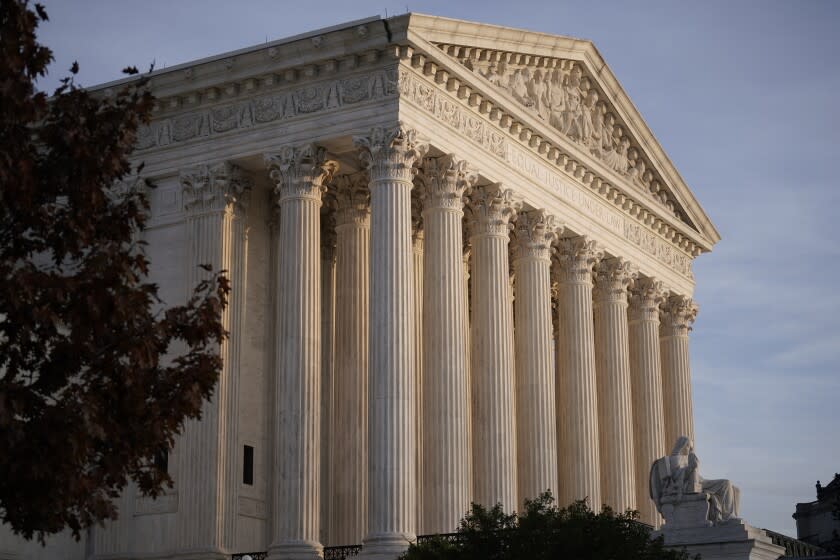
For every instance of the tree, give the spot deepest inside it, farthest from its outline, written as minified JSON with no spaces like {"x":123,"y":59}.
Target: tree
{"x":544,"y":531}
{"x":91,"y":387}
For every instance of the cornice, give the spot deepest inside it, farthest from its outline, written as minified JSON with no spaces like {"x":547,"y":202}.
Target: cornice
{"x":427,"y":31}
{"x":533,"y":134}
{"x":471,"y":116}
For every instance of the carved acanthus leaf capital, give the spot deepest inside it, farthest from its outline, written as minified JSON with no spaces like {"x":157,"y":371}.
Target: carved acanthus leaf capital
{"x":612,"y":278}
{"x":300,"y":172}
{"x":212,"y":188}
{"x":391,"y":153}
{"x":678,"y":314}
{"x":646,"y":296}
{"x":534,"y":233}
{"x":444,"y":182}
{"x":352,"y":200}
{"x":575,"y":258}
{"x":491,"y":210}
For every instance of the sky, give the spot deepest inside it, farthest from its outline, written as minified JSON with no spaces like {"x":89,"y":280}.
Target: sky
{"x":741,"y":95}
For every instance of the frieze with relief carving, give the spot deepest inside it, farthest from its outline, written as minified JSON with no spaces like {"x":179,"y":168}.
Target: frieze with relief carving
{"x":561,"y":93}
{"x":275,"y":106}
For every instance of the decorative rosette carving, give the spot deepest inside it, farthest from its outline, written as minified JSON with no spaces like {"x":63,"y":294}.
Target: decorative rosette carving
{"x":391,"y":153}
{"x":352,"y":200}
{"x":646,"y":296}
{"x":575,"y":258}
{"x":444,"y":181}
{"x":212,"y":188}
{"x":491,"y":210}
{"x":534,"y":233}
{"x":612,"y":278}
{"x":678,"y":314}
{"x":300,"y":172}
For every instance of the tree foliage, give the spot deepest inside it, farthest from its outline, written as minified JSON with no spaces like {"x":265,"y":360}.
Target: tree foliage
{"x":544,"y":531}
{"x":90,"y":389}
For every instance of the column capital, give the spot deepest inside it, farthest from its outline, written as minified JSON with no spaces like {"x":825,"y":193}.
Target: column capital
{"x":678,"y":314}
{"x":575,"y":258}
{"x":646,"y":295}
{"x":352,"y":200}
{"x":445,"y":180}
{"x":612,"y":278}
{"x":490,"y":210}
{"x":534,"y":233}
{"x":214,"y":187}
{"x":391,"y":153}
{"x":300,"y":172}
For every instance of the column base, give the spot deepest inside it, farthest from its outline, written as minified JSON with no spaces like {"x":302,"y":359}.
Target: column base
{"x":732,"y":540}
{"x":296,"y":550}
{"x":385,"y":546}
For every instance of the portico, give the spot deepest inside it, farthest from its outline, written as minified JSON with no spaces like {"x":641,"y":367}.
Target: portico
{"x":464,"y":272}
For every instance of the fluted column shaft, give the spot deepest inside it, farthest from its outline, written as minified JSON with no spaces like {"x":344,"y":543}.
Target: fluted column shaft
{"x":327,"y":374}
{"x":612,"y":364}
{"x":390,"y":156}
{"x":493,"y":395}
{"x":577,"y":418}
{"x":646,"y":387}
{"x":417,"y":243}
{"x":299,"y":173}
{"x":446,"y":477}
{"x":351,"y":366}
{"x":215,"y":202}
{"x":536,"y":432}
{"x":678,"y":314}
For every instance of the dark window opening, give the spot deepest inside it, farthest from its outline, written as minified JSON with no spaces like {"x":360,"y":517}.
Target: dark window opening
{"x":162,"y":460}
{"x":248,"y":469}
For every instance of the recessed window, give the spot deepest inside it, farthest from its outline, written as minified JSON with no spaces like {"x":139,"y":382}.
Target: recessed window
{"x":248,"y":466}
{"x":162,"y":460}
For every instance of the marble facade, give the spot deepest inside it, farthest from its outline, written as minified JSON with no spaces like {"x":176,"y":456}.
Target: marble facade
{"x":461,"y":270}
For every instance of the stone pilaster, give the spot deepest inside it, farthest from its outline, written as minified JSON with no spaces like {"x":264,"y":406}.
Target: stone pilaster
{"x":350,"y":428}
{"x":678,"y":314}
{"x":612,"y":365}
{"x":446,"y":477}
{"x":536,"y":431}
{"x":493,"y":395}
{"x":646,"y":388}
{"x":577,"y":407}
{"x":390,"y":156}
{"x":299,"y":174}
{"x":215,"y":202}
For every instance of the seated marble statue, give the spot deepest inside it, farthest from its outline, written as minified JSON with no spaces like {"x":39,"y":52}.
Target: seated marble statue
{"x":675,"y":477}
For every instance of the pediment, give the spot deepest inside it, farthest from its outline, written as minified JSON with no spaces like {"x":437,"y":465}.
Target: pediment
{"x":564,"y":84}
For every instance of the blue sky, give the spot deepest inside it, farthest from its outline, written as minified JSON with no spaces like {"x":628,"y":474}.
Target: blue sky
{"x":741,"y":95}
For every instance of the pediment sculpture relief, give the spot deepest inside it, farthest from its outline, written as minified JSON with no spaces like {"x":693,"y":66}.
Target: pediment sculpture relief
{"x":561,"y":94}
{"x":683,"y":497}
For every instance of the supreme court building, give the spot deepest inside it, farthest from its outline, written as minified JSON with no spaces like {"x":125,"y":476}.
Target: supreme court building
{"x":461,"y":271}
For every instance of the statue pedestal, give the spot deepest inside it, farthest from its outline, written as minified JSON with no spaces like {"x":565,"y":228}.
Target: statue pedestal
{"x":732,"y":540}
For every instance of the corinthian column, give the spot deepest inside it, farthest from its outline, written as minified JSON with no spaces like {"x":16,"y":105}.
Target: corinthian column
{"x":577,"y":416}
{"x":446,"y":475}
{"x":646,"y":386}
{"x":494,"y":444}
{"x":299,"y":174}
{"x":215,"y":202}
{"x":536,"y":433}
{"x":390,"y":155}
{"x":678,"y":313}
{"x":417,"y":242}
{"x":351,"y":366}
{"x":612,"y":364}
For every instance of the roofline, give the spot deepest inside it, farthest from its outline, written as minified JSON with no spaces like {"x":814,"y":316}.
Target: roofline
{"x":238,"y":52}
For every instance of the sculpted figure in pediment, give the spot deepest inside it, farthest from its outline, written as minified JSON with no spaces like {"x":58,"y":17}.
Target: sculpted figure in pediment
{"x":519,"y":86}
{"x":556,"y":100}
{"x":539,"y":94}
{"x":573,"y":115}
